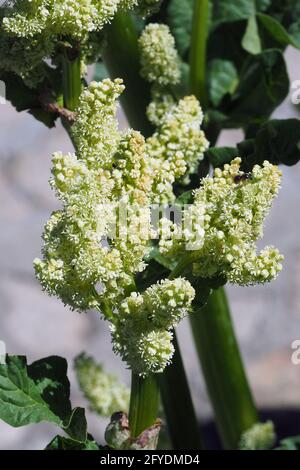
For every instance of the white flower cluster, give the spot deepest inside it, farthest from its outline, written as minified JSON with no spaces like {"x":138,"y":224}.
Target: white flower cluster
{"x":159,"y":58}
{"x":75,"y":18}
{"x":106,"y":395}
{"x":30,"y":31}
{"x":220,"y":229}
{"x":178,"y":143}
{"x":260,"y":437}
{"x":142,"y":334}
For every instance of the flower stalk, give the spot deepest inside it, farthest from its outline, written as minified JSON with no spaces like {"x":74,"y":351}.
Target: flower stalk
{"x":121,"y":57}
{"x":223,"y":369}
{"x":198,"y":51}
{"x":181,"y":417}
{"x":71,"y":78}
{"x":144,"y":403}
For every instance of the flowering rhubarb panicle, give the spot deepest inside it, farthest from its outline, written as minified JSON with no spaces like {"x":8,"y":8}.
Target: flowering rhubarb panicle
{"x":96,"y":244}
{"x":106,"y":395}
{"x":220,"y":229}
{"x":96,"y":129}
{"x":178,"y":145}
{"x":159,"y":58}
{"x":30,"y":31}
{"x":161,"y":104}
{"x":260,"y":437}
{"x":142,"y":335}
{"x":79,"y":265}
{"x":75,"y":18}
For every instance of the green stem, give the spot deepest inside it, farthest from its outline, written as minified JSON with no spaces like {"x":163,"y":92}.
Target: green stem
{"x":144,"y":403}
{"x":71,"y":79}
{"x":180,"y":413}
{"x":198,"y":51}
{"x":223,"y":369}
{"x":121,"y":57}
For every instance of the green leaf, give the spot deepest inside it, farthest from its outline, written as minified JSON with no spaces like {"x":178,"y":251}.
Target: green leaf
{"x":290,"y":443}
{"x":225,"y":11}
{"x":262,"y":5}
{"x":63,"y":443}
{"x":24,"y":98}
{"x":27,"y":396}
{"x":218,"y":156}
{"x":76,"y":425}
{"x":185,"y":198}
{"x":39,"y":392}
{"x":277,"y":32}
{"x":222,"y":79}
{"x":263,"y":85}
{"x":43,"y":116}
{"x":180,"y":16}
{"x":277,"y":141}
{"x":101,"y":72}
{"x":49,"y":376}
{"x":20,"y":96}
{"x":157,"y":256}
{"x":251,"y":40}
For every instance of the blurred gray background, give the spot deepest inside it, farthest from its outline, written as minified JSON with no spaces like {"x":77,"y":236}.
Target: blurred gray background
{"x":267,"y":319}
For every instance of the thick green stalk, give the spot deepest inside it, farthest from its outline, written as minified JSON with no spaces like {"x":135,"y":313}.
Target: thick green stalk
{"x":198,"y":51}
{"x":144,"y":403}
{"x":121,"y":57}
{"x":223,"y":369}
{"x":181,"y":417}
{"x":71,"y":79}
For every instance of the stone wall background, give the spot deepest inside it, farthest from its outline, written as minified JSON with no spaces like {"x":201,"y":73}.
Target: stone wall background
{"x":267,"y":318}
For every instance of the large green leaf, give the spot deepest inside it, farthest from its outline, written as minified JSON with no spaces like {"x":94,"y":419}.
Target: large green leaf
{"x":263,"y":85}
{"x":220,"y":155}
{"x":277,"y":141}
{"x":76,"y":426}
{"x":63,"y":443}
{"x":277,"y":31}
{"x":251,"y":40}
{"x":28,"y":397}
{"x":222,"y":79}
{"x":289,"y":443}
{"x":39,"y":392}
{"x":225,"y":11}
{"x":180,"y":15}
